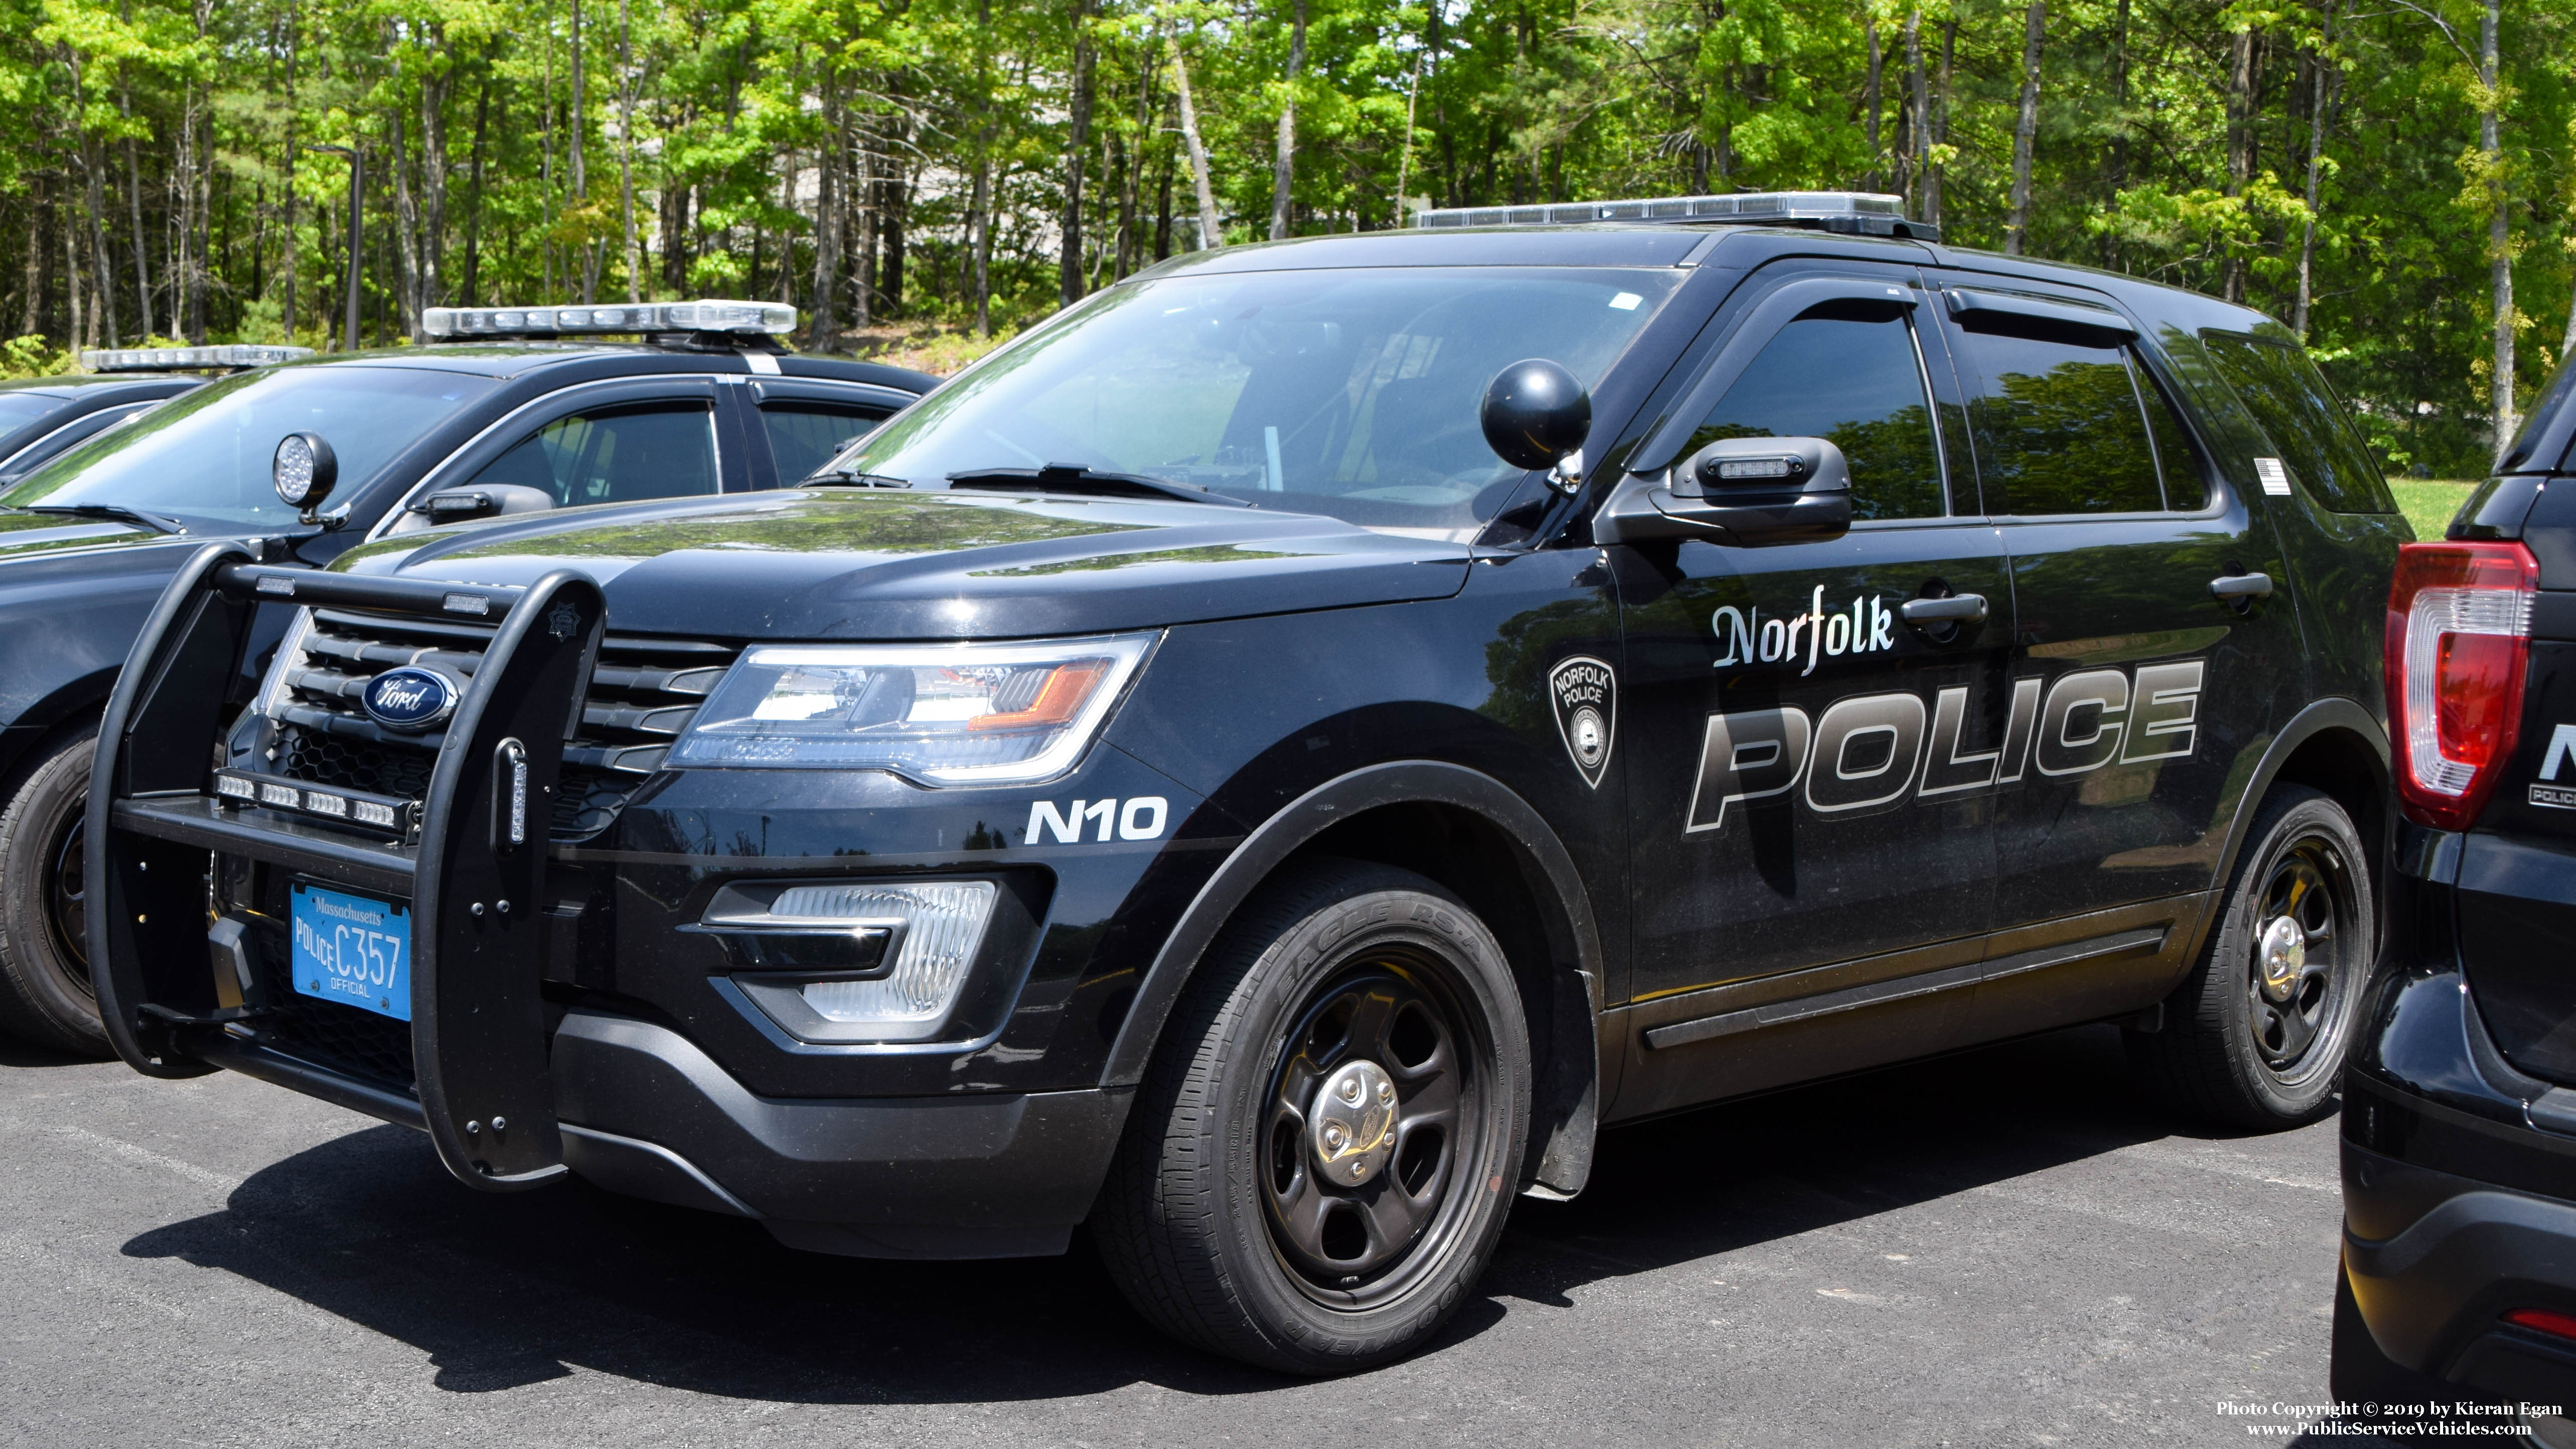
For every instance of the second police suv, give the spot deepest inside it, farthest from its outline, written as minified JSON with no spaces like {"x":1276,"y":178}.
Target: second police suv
{"x":1270,"y":763}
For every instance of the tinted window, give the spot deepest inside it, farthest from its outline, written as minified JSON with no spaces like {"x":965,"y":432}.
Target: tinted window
{"x":1347,"y":391}
{"x":17,"y":409}
{"x":2289,"y":397}
{"x":205,"y":454}
{"x":2059,"y":428}
{"x":804,"y":438}
{"x":1856,"y":383}
{"x":2186,"y":486}
{"x":617,"y":457}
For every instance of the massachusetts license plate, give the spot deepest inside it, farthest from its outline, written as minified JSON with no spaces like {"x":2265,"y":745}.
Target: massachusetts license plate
{"x":355,"y":950}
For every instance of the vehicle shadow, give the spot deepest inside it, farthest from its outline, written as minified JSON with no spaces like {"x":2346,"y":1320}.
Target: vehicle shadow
{"x":503,"y":1291}
{"x":16,"y":1053}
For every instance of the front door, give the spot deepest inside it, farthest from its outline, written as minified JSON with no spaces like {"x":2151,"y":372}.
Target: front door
{"x":2144,"y":695}
{"x":1812,"y":776}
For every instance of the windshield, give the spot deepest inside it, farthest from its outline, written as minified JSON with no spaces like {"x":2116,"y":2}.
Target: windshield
{"x":206,"y":454}
{"x":1349,"y":392}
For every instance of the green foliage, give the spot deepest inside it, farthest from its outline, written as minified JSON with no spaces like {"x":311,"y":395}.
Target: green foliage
{"x":855,"y":156}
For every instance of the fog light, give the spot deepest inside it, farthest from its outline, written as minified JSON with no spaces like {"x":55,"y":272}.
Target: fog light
{"x":853,"y":961}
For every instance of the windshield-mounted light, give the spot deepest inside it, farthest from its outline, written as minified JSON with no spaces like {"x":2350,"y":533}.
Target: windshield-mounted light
{"x":936,"y":714}
{"x":184,"y":359}
{"x":749,"y":319}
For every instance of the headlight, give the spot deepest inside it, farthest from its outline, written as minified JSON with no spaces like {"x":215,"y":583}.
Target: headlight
{"x":939,"y":714}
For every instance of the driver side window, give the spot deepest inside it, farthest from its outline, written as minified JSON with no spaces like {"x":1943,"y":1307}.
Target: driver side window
{"x":620,"y":456}
{"x":1849,"y":374}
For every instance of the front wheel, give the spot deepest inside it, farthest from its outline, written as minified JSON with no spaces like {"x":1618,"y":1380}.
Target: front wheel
{"x":45,"y":991}
{"x":2263,"y":1024}
{"x":1320,"y":1162}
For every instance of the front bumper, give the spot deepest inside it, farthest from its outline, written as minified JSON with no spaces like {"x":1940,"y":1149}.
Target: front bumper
{"x":977,"y":1175}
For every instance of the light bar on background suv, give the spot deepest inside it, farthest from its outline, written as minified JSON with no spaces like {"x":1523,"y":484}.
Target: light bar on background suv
{"x":750,"y":319}
{"x":181,"y":359}
{"x":1865,"y":212}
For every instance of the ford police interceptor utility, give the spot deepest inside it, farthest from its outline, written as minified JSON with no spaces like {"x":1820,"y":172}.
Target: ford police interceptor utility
{"x":524,"y":410}
{"x":2459,"y":1118}
{"x":1272,"y":761}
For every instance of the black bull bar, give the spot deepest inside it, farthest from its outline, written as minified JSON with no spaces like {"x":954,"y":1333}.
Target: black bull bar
{"x":156,"y":827}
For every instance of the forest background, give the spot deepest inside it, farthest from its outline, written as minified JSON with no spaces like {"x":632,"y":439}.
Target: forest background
{"x":2391,"y":178}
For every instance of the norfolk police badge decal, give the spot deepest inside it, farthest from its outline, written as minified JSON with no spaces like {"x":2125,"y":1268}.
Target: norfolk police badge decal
{"x":1584,"y":695}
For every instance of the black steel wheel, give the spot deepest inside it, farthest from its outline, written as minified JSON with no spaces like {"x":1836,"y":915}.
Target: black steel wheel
{"x":45,"y":991}
{"x":1321,"y":1159}
{"x":2256,"y":1036}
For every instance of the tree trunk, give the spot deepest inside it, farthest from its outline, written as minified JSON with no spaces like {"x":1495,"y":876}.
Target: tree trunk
{"x":134,"y":207}
{"x":2320,"y":87}
{"x":406,"y":238}
{"x":435,"y":83}
{"x":578,"y":124}
{"x":474,"y":185}
{"x":1283,"y":170}
{"x":1069,"y":256}
{"x":1940,"y":125}
{"x":292,"y":153}
{"x":825,"y":335}
{"x":31,"y":316}
{"x":2240,"y":147}
{"x":1870,"y":100}
{"x":2026,"y":131}
{"x":1919,"y":117}
{"x":1210,"y":234}
{"x":626,"y":147}
{"x":2499,"y":230}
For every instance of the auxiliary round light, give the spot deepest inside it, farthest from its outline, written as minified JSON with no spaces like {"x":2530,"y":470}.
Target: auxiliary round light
{"x":303,"y":468}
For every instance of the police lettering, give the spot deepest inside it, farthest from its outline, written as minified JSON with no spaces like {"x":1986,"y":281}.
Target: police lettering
{"x":1870,"y":751}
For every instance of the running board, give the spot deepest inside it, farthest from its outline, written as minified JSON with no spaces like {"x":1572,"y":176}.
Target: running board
{"x":1904,"y":988}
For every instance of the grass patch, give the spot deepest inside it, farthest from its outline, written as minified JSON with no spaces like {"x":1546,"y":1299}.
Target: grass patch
{"x":2429,"y":503}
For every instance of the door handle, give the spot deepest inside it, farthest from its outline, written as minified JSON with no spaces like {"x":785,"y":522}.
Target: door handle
{"x":2235,"y":588}
{"x":1933,"y":613}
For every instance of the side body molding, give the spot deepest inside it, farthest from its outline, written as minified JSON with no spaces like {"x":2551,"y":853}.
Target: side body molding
{"x":1567,"y":1096}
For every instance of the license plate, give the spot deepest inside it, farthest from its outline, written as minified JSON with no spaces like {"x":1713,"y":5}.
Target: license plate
{"x":355,"y":950}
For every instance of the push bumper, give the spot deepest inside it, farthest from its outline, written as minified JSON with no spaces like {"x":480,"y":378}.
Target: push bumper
{"x":987,"y":1175}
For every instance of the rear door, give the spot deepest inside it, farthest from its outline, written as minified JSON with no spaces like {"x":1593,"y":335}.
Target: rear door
{"x":2148,"y":667}
{"x":1812,"y":777}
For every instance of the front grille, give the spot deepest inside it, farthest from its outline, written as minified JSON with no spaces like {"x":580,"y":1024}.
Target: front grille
{"x":338,"y":1038}
{"x":643,"y":692}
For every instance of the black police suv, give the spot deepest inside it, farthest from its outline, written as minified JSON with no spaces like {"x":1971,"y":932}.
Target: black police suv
{"x":2459,"y":1118}
{"x":1270,"y":762}
{"x":499,"y":423}
{"x":43,"y":416}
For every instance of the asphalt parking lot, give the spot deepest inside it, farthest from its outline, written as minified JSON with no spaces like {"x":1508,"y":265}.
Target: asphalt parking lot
{"x":2003,"y":1248}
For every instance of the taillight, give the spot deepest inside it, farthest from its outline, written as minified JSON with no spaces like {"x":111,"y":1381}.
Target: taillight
{"x":2542,"y":1320}
{"x":2459,"y":631}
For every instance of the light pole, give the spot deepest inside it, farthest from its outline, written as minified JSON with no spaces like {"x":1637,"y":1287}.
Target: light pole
{"x":357,"y":180}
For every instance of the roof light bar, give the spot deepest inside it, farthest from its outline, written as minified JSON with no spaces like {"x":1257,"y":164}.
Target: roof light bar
{"x":753,"y":319}
{"x":173,"y":359}
{"x":1868,"y":213}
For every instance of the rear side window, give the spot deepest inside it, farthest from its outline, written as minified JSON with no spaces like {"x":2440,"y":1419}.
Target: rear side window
{"x":2063,"y":427}
{"x":1857,"y":382}
{"x":803,"y":438}
{"x":615,"y":457}
{"x":2290,"y":398}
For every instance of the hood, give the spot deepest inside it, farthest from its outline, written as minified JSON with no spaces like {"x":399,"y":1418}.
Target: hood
{"x":853,"y":563}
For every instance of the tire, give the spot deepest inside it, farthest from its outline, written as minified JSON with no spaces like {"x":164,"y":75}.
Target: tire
{"x":2256,"y":1037}
{"x":45,"y":993}
{"x":1233,"y":1216}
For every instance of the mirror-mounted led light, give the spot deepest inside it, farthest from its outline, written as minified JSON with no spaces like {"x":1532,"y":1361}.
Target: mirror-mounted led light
{"x":304,"y":468}
{"x":748,"y":319}
{"x":1864,"y":212}
{"x":181,"y":359}
{"x":1757,"y":468}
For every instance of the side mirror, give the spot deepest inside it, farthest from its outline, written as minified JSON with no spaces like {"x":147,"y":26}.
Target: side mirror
{"x":485,"y":500}
{"x":303,"y":468}
{"x":1535,"y":414}
{"x":1745,"y":492}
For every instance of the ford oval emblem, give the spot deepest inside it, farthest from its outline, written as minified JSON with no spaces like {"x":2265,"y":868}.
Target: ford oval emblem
{"x":409,"y":698}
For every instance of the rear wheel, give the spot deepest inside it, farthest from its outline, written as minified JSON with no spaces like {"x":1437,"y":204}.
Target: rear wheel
{"x":1320,"y":1162}
{"x":45,"y":991}
{"x":2256,"y":1038}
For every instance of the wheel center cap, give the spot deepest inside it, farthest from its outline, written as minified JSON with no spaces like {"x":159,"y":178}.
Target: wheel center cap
{"x":1351,"y":1123}
{"x":2284,"y":957}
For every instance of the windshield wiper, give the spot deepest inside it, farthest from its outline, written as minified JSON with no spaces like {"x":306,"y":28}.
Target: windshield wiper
{"x":1067,"y":478}
{"x":108,"y":510}
{"x":847,"y":478}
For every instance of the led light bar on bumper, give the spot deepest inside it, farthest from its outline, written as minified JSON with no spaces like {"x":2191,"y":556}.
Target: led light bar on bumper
{"x":936,"y":714}
{"x":763,"y":319}
{"x":182,"y":359}
{"x":853,"y":961}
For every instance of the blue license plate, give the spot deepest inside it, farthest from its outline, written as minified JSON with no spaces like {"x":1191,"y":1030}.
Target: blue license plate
{"x":355,"y":950}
